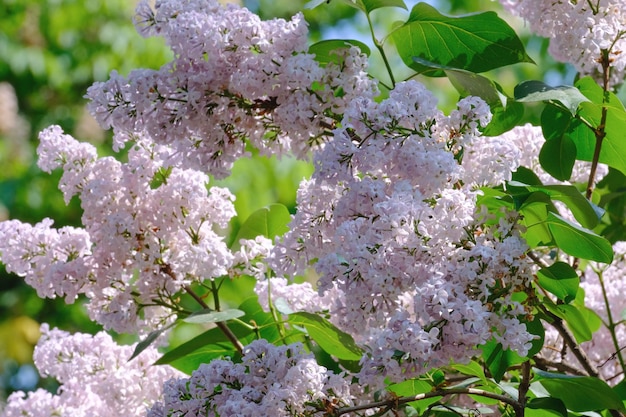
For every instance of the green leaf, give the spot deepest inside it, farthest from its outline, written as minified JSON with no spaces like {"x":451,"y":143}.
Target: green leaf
{"x":592,"y":90}
{"x":557,"y":157}
{"x":145,"y":343}
{"x":531,"y":91}
{"x":476,"y":43}
{"x":499,"y":360}
{"x":413,"y":387}
{"x":546,"y":406}
{"x":585,"y":212}
{"x":578,"y":241}
{"x":535,"y":211}
{"x":583,"y":393}
{"x":330,"y":338}
{"x":214,"y":344}
{"x":270,"y":221}
{"x":467,"y":83}
{"x":526,"y":176}
{"x":370,"y":5}
{"x":472,"y":368}
{"x":504,"y":118}
{"x":325,"y":51}
{"x":212,"y":316}
{"x":560,"y":279}
{"x":575,"y":319}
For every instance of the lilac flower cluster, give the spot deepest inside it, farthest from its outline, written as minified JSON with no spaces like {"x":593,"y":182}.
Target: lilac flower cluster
{"x":390,"y":215}
{"x":579,"y":31}
{"x":95,"y":375}
{"x":149,"y":230}
{"x":269,"y":381}
{"x":235,"y":80}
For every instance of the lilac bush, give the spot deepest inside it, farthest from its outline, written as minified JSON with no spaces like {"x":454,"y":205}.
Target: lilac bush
{"x":447,"y":255}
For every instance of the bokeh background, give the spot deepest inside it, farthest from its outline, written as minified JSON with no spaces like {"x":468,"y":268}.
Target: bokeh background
{"x":52,"y":50}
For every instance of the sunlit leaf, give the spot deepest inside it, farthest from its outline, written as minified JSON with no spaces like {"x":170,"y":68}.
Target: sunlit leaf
{"x":330,"y":338}
{"x":477,"y":43}
{"x":530,"y":91}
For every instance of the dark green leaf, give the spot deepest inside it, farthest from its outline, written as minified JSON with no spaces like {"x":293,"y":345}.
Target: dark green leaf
{"x":560,"y":279}
{"x":143,"y":345}
{"x":476,"y":43}
{"x":270,"y":221}
{"x":325,"y":51}
{"x":330,"y":338}
{"x":499,"y":360}
{"x":578,"y":241}
{"x":546,"y":406}
{"x":557,"y":157}
{"x":212,"y":316}
{"x":526,"y":176}
{"x":583,"y":393}
{"x":530,"y":91}
{"x":535,"y":327}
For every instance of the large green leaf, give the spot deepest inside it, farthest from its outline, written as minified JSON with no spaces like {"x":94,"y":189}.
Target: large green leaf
{"x":531,"y":91}
{"x":330,"y":338}
{"x":560,"y":279}
{"x":582,"y":393}
{"x":578,"y":241}
{"x":270,"y":221}
{"x":476,"y":43}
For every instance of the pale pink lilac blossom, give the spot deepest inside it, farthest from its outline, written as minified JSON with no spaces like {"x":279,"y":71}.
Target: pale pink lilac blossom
{"x":234,"y":80}
{"x":579,"y":31}
{"x":390,"y":217}
{"x":97,"y":379}
{"x":270,"y":381}
{"x":149,"y":230}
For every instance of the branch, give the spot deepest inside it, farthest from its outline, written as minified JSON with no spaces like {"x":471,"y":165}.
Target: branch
{"x":220,"y":324}
{"x":395,"y":402}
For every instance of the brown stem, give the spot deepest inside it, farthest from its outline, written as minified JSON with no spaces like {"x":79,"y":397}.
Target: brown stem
{"x":522,"y":390}
{"x":571,"y":343}
{"x":395,"y":402}
{"x":220,"y":324}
